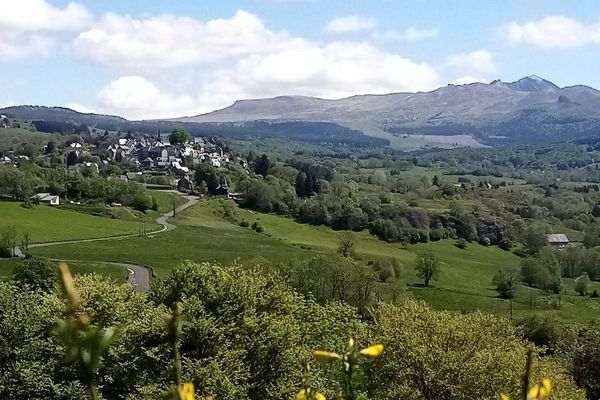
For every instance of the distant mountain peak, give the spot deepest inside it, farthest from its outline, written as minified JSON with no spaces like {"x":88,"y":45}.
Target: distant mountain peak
{"x":531,"y":83}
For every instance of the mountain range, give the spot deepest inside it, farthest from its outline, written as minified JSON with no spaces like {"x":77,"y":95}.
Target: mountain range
{"x":530,"y":110}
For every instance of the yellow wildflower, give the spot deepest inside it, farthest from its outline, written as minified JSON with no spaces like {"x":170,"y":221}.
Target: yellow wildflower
{"x":304,"y":395}
{"x":504,"y":396}
{"x":541,"y":391}
{"x":186,"y":391}
{"x":66,"y":281}
{"x":326,"y":357}
{"x":373,"y":351}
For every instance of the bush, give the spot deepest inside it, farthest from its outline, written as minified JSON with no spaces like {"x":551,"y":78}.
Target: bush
{"x":485,"y":241}
{"x":595,"y":294}
{"x":461,"y":243}
{"x":244,"y":224}
{"x":436,"y":235}
{"x":256,"y":226}
{"x":36,"y":273}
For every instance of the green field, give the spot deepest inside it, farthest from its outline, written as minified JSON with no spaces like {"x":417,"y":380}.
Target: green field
{"x":112,"y":271}
{"x":203,"y":235}
{"x":48,"y":224}
{"x":165,"y":200}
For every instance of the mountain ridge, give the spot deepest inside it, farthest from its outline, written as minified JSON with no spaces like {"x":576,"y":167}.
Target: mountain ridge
{"x":529,"y":110}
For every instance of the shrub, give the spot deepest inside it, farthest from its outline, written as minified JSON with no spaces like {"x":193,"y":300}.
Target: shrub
{"x":244,"y":224}
{"x":436,"y":235}
{"x":461,"y":243}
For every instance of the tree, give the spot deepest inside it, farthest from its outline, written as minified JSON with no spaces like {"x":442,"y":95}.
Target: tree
{"x":72,"y":158}
{"x":202,"y":189}
{"x":506,"y":283}
{"x":209,"y":175}
{"x":154,"y":204}
{"x":436,"y":181}
{"x":36,"y":273}
{"x":179,"y":136}
{"x":8,"y":241}
{"x":582,"y":284}
{"x":428,"y":268}
{"x":534,"y":239}
{"x":346,"y":244}
{"x":433,"y":355}
{"x":262,"y":165}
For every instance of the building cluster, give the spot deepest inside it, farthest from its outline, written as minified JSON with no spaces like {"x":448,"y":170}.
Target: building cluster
{"x":156,"y":153}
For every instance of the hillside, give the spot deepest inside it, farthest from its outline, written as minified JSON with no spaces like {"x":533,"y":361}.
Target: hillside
{"x":528,"y":110}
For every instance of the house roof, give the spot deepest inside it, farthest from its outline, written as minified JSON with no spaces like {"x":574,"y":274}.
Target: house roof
{"x":558,"y":238}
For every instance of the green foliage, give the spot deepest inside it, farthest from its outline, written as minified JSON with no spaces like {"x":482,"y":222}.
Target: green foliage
{"x":585,"y":366}
{"x":461,"y":243}
{"x":179,"y":136}
{"x":582,"y":284}
{"x":438,"y":355}
{"x":346,"y":245}
{"x":35,"y":273}
{"x":427,"y":268}
{"x":534,"y":239}
{"x":506,"y":283}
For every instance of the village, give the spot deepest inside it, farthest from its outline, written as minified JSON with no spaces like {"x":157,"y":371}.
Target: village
{"x":151,"y":160}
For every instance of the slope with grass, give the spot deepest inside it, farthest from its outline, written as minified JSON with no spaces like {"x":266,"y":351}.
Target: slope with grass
{"x":48,"y":224}
{"x":203,"y":234}
{"x":79,"y":267}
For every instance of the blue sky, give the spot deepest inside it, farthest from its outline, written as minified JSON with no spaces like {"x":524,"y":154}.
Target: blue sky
{"x":155,"y":59}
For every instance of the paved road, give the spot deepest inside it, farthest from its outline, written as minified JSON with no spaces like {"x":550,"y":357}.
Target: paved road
{"x":138,"y":275}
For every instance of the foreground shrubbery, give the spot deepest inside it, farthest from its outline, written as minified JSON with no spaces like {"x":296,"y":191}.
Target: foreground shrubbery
{"x":247,"y":334}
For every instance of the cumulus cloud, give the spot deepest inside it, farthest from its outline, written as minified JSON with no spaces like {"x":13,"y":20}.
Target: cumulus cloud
{"x":332,"y":71}
{"x":465,"y":80}
{"x":27,"y":26}
{"x":410,"y":34}
{"x":351,"y":23}
{"x":474,"y":63}
{"x":170,"y":41}
{"x":229,"y":59}
{"x":137,"y":98}
{"x":555,"y":32}
{"x":78,"y":107}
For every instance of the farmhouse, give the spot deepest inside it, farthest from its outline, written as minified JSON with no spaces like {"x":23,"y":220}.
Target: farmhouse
{"x":559,"y":240}
{"x":48,"y":198}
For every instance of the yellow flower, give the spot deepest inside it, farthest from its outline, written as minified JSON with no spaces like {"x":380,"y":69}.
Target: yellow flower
{"x":504,"y":396}
{"x":541,"y":391}
{"x":66,"y":281}
{"x":326,"y":357}
{"x":372,"y":351}
{"x":302,"y":395}
{"x":186,"y":391}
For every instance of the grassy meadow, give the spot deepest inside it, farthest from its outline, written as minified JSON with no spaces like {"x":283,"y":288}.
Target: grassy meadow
{"x":78,"y":267}
{"x":49,"y":224}
{"x":204,"y":235}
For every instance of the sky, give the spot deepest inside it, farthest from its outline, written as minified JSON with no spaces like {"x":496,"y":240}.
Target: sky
{"x":144,"y":59}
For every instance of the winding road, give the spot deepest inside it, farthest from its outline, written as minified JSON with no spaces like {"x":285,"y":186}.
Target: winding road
{"x":137,"y":275}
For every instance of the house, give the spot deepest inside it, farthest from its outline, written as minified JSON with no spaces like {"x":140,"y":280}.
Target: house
{"x":48,"y":198}
{"x":559,"y":240}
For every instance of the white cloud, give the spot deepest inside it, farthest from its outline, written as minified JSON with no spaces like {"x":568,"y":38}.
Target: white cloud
{"x":410,"y":34}
{"x":137,"y":98}
{"x":465,"y":80}
{"x":351,"y":23}
{"x":332,"y":71}
{"x":170,"y":41}
{"x":78,"y":107}
{"x":555,"y":32}
{"x":37,"y":15}
{"x":27,"y":26}
{"x":475,"y":63}
{"x":14,"y":45}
